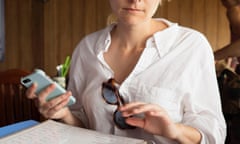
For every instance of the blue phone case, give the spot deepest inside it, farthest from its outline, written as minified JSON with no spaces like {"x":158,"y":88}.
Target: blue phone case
{"x":44,"y":81}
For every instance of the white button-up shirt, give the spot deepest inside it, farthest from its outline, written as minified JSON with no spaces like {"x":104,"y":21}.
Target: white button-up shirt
{"x":176,"y":71}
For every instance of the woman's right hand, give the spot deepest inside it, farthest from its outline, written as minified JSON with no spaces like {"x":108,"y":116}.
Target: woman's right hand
{"x":53,"y":109}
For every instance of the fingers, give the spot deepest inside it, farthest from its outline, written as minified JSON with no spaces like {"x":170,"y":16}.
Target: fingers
{"x":131,"y":105}
{"x":51,"y":107}
{"x":39,"y":99}
{"x":48,"y":108}
{"x":136,"y":108}
{"x":137,"y":122}
{"x":30,"y":93}
{"x":44,"y":93}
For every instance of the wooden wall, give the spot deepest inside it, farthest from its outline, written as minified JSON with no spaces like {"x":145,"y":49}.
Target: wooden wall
{"x":41,"y":33}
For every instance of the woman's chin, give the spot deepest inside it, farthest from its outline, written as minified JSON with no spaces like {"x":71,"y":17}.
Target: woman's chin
{"x":133,"y":21}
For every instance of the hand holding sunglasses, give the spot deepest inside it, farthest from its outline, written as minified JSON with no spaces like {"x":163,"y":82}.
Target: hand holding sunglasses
{"x":154,"y":119}
{"x":111,"y":95}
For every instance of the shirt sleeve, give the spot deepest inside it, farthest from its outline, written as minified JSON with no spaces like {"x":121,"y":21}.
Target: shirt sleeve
{"x":76,"y":85}
{"x":202,"y":105}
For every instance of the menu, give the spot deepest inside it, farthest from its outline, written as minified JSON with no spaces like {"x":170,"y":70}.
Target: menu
{"x":52,"y":132}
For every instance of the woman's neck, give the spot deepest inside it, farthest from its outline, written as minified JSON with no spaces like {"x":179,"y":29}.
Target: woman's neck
{"x":135,"y":36}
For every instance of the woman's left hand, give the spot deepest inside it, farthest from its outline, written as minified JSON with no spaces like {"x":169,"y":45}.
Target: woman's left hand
{"x":155,"y":119}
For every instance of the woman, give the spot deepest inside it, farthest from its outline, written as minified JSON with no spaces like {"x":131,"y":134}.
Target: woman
{"x":159,"y":76}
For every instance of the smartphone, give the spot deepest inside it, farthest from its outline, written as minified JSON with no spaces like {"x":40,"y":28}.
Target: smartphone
{"x":43,"y":81}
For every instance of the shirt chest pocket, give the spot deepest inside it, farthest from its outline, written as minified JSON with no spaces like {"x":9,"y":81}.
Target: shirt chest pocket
{"x":164,"y":97}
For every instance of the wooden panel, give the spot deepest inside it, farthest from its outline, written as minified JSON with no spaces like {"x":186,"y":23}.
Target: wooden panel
{"x":223,"y":30}
{"x":162,"y":11}
{"x":103,"y":11}
{"x":173,"y":10}
{"x":24,"y":27}
{"x":185,"y":13}
{"x":12,"y":33}
{"x":51,"y":41}
{"x":91,"y":16}
{"x":65,"y":30}
{"x":198,"y":15}
{"x":78,"y":16}
{"x":37,"y":34}
{"x":211,"y":21}
{"x":19,"y":35}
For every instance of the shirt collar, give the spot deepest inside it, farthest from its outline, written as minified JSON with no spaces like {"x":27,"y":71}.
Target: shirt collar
{"x":104,"y":39}
{"x":163,"y":39}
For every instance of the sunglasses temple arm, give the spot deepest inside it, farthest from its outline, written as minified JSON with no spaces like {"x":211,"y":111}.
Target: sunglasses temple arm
{"x":120,"y":100}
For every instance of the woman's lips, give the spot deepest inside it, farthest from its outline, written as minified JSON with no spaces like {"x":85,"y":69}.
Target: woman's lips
{"x":132,"y":9}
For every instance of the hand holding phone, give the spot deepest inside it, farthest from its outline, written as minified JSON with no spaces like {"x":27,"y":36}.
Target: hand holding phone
{"x":44,"y":81}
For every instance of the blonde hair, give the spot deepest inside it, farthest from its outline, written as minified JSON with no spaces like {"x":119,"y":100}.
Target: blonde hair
{"x":111,"y":19}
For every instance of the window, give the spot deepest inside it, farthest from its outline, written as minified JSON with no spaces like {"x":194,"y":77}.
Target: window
{"x":2,"y":31}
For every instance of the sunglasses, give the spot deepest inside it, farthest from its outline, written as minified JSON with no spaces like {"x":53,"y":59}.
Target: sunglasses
{"x":111,"y":96}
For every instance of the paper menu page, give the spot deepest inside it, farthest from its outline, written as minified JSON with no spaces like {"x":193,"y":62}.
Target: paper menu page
{"x":51,"y":132}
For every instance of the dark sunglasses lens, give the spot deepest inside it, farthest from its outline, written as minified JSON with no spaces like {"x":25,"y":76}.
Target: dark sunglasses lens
{"x":109,"y":95}
{"x":120,"y":121}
